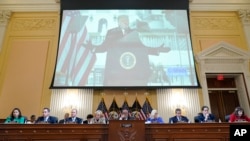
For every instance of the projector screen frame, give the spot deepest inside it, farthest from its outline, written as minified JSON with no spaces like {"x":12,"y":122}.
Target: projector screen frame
{"x":128,"y":4}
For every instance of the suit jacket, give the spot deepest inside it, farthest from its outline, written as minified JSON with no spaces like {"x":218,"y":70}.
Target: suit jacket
{"x":85,"y":122}
{"x":174,"y":119}
{"x":201,"y":117}
{"x":62,"y":121}
{"x":98,"y":121}
{"x":128,"y":118}
{"x":51,"y":120}
{"x":77,"y":120}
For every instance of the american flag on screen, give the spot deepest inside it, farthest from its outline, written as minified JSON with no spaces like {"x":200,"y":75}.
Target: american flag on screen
{"x":75,"y":59}
{"x":103,"y":108}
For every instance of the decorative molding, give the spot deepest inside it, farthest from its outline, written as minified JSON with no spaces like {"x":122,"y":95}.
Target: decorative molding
{"x":220,"y":23}
{"x":244,"y":14}
{"x":224,"y":58}
{"x":34,"y":24}
{"x":223,"y":50}
{"x":4,"y":17}
{"x":30,"y":5}
{"x":54,"y":5}
{"x":127,"y":134}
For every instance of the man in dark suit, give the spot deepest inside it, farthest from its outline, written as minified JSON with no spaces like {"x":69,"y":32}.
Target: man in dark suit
{"x":74,"y":118}
{"x":66,"y":116}
{"x":178,"y":117}
{"x":125,"y":115}
{"x":46,"y":118}
{"x":205,"y":116}
{"x":127,"y":58}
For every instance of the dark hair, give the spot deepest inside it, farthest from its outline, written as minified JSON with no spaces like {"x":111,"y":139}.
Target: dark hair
{"x":89,"y":116}
{"x":12,"y":116}
{"x":177,"y":109}
{"x":237,"y":109}
{"x":203,"y":107}
{"x":46,"y":109}
{"x":32,"y":116}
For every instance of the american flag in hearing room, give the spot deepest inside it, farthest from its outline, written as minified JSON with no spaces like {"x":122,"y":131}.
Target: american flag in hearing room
{"x":103,"y":108}
{"x":114,"y":107}
{"x":125,"y":106}
{"x":75,"y":57}
{"x":146,"y":107}
{"x":137,"y":107}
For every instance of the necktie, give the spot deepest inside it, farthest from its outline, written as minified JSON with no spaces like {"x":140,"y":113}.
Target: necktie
{"x":124,"y":32}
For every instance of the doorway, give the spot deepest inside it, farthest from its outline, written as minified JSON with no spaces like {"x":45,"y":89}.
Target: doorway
{"x":223,"y":97}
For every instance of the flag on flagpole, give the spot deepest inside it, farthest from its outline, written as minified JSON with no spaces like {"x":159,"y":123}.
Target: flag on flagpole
{"x":136,"y":108}
{"x":114,"y":107}
{"x":146,"y":108}
{"x":75,"y":58}
{"x":125,"y":105}
{"x":103,"y":108}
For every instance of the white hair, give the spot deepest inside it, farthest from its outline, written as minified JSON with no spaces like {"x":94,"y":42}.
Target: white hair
{"x":99,"y":112}
{"x":152,"y":114}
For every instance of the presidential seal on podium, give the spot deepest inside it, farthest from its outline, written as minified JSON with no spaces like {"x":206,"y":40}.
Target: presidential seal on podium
{"x":127,"y":60}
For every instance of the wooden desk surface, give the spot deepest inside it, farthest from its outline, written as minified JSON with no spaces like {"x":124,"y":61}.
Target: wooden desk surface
{"x":99,"y":132}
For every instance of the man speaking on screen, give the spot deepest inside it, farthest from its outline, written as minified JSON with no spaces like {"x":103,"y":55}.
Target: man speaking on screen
{"x":127,"y":62}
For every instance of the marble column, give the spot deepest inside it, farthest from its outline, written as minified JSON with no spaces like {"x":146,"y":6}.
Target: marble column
{"x":4,"y":19}
{"x":244,"y":14}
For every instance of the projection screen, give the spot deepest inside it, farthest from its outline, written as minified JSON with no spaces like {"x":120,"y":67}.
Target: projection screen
{"x":120,"y":46}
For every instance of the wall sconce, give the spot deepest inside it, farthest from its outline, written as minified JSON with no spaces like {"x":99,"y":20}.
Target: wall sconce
{"x":71,"y":100}
{"x":178,"y":101}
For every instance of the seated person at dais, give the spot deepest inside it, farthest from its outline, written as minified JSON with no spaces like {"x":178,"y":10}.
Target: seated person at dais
{"x":46,"y":118}
{"x":178,"y":118}
{"x":74,"y":119}
{"x":125,"y":115}
{"x":15,"y":117}
{"x":154,"y":117}
{"x":205,"y":116}
{"x":63,"y":121}
{"x":98,"y":118}
{"x":239,"y":116}
{"x":32,"y":119}
{"x":89,"y":117}
{"x":113,"y":115}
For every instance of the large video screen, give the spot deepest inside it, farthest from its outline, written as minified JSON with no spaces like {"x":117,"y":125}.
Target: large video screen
{"x":125,"y":48}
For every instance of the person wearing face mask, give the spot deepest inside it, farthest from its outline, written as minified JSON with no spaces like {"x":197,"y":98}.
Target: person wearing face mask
{"x":239,"y":116}
{"x":15,"y":117}
{"x":205,"y":116}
